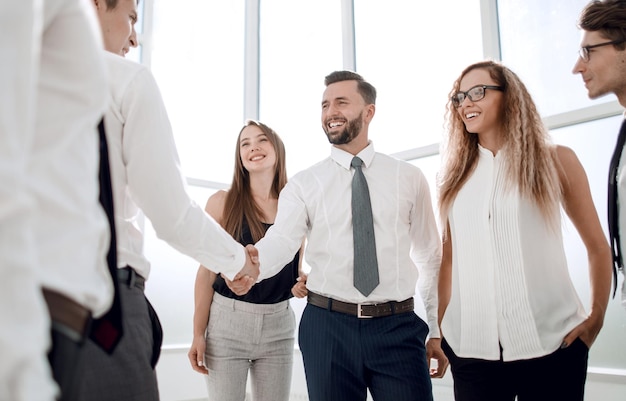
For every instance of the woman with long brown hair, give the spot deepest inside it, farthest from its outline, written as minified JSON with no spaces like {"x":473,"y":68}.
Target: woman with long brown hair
{"x":234,"y":334}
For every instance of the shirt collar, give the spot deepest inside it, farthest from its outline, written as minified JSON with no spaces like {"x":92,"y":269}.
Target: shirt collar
{"x":344,"y":159}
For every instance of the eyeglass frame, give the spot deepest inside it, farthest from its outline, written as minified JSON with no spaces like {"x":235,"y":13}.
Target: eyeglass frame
{"x":456,"y":103}
{"x":583,"y":52}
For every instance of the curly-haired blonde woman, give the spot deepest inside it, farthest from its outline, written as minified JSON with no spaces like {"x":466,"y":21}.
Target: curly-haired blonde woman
{"x":511,"y":320}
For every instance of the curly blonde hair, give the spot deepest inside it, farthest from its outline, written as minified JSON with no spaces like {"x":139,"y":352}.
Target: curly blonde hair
{"x":531,"y":162}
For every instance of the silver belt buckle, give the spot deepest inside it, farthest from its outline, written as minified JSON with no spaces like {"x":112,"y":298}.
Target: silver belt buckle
{"x":359,"y":312}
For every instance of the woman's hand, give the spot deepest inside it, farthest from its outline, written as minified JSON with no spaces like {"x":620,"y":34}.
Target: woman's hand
{"x":196,"y":355}
{"x":299,"y":289}
{"x":587,"y":331}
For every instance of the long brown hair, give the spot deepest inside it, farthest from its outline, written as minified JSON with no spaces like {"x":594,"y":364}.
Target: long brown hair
{"x":239,"y":201}
{"x":531,"y":161}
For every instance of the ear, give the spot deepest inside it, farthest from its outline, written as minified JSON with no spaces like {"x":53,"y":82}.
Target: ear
{"x":370,"y":110}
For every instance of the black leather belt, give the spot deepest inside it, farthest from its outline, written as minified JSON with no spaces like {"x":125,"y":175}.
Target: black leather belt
{"x":128,"y":276}
{"x":66,"y":313}
{"x":361,"y":310}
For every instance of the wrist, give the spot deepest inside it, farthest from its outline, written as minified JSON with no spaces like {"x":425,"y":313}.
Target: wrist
{"x":200,"y":334}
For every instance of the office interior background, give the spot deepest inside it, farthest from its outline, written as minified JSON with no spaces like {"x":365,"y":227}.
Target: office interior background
{"x":220,"y":62}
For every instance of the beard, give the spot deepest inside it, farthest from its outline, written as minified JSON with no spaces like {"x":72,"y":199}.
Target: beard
{"x":350,"y":131}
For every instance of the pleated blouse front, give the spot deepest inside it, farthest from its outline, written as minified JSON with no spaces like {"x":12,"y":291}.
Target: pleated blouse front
{"x":511,"y":287}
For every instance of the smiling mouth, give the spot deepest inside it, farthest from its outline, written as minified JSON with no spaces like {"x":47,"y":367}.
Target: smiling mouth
{"x":335,"y":124}
{"x":470,"y":116}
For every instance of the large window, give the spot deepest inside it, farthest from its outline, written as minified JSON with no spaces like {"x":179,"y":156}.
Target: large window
{"x":197,"y":56}
{"x":412,"y":52}
{"x":301,"y":43}
{"x":198,"y":60}
{"x":539,"y":41}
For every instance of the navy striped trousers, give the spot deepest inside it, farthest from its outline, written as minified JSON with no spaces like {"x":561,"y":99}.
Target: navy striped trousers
{"x":344,"y":356}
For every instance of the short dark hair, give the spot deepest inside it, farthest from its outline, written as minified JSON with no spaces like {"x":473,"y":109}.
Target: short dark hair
{"x":607,"y":17}
{"x":367,"y":90}
{"x":111,"y":4}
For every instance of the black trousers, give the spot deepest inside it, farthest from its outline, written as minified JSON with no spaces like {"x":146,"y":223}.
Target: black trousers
{"x":560,"y":375}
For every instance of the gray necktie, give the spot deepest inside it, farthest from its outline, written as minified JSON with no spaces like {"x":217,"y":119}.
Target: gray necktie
{"x":365,"y":263}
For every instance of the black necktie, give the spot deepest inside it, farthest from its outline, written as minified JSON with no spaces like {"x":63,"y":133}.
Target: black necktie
{"x":107,"y":330}
{"x":365,"y":262}
{"x":618,"y":261}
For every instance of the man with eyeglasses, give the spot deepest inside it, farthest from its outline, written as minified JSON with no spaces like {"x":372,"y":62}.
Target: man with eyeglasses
{"x":602,"y":65}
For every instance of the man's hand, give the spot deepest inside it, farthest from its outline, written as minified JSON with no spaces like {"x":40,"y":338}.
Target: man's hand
{"x":434,"y":351}
{"x":196,"y":355}
{"x":246,"y":278}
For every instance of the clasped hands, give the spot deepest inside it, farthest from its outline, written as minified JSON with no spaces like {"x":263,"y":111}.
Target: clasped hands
{"x":247,"y":277}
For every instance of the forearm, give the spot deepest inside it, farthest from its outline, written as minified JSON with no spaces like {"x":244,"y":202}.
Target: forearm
{"x":203,"y":297}
{"x":445,"y":276}
{"x":444,"y":295}
{"x":600,"y":277}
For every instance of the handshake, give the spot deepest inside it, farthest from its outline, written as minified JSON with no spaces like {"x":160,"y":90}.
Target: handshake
{"x":247,"y":277}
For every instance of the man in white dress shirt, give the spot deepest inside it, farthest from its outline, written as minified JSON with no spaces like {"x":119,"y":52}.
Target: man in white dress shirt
{"x":53,"y":231}
{"x":352,"y":342}
{"x":602,"y":66}
{"x":24,"y":338}
{"x":147,"y":181}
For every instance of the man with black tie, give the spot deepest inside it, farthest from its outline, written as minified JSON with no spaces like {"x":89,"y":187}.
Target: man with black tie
{"x":147,"y":182}
{"x":602,"y":65}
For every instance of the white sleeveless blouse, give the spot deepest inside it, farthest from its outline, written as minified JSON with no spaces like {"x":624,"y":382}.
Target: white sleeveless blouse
{"x":510,"y":282}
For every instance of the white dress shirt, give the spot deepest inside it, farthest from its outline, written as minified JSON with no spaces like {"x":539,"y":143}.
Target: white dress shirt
{"x":52,"y":229}
{"x":147,"y":178}
{"x":510,"y":282}
{"x":316,"y":203}
{"x":71,"y":226}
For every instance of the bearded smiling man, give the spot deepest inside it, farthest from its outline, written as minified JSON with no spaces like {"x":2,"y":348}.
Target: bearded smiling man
{"x":345,"y":355}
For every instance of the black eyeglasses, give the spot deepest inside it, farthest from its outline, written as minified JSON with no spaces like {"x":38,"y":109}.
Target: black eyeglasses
{"x":584,"y":51}
{"x":474,"y":94}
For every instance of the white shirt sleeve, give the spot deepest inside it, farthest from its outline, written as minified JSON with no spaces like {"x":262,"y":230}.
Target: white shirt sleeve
{"x":426,"y":253}
{"x":158,"y":186}
{"x":25,"y":334}
{"x":285,"y":237}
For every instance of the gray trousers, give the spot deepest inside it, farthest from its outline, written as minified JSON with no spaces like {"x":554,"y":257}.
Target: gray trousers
{"x":128,"y":374}
{"x":244,"y":337}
